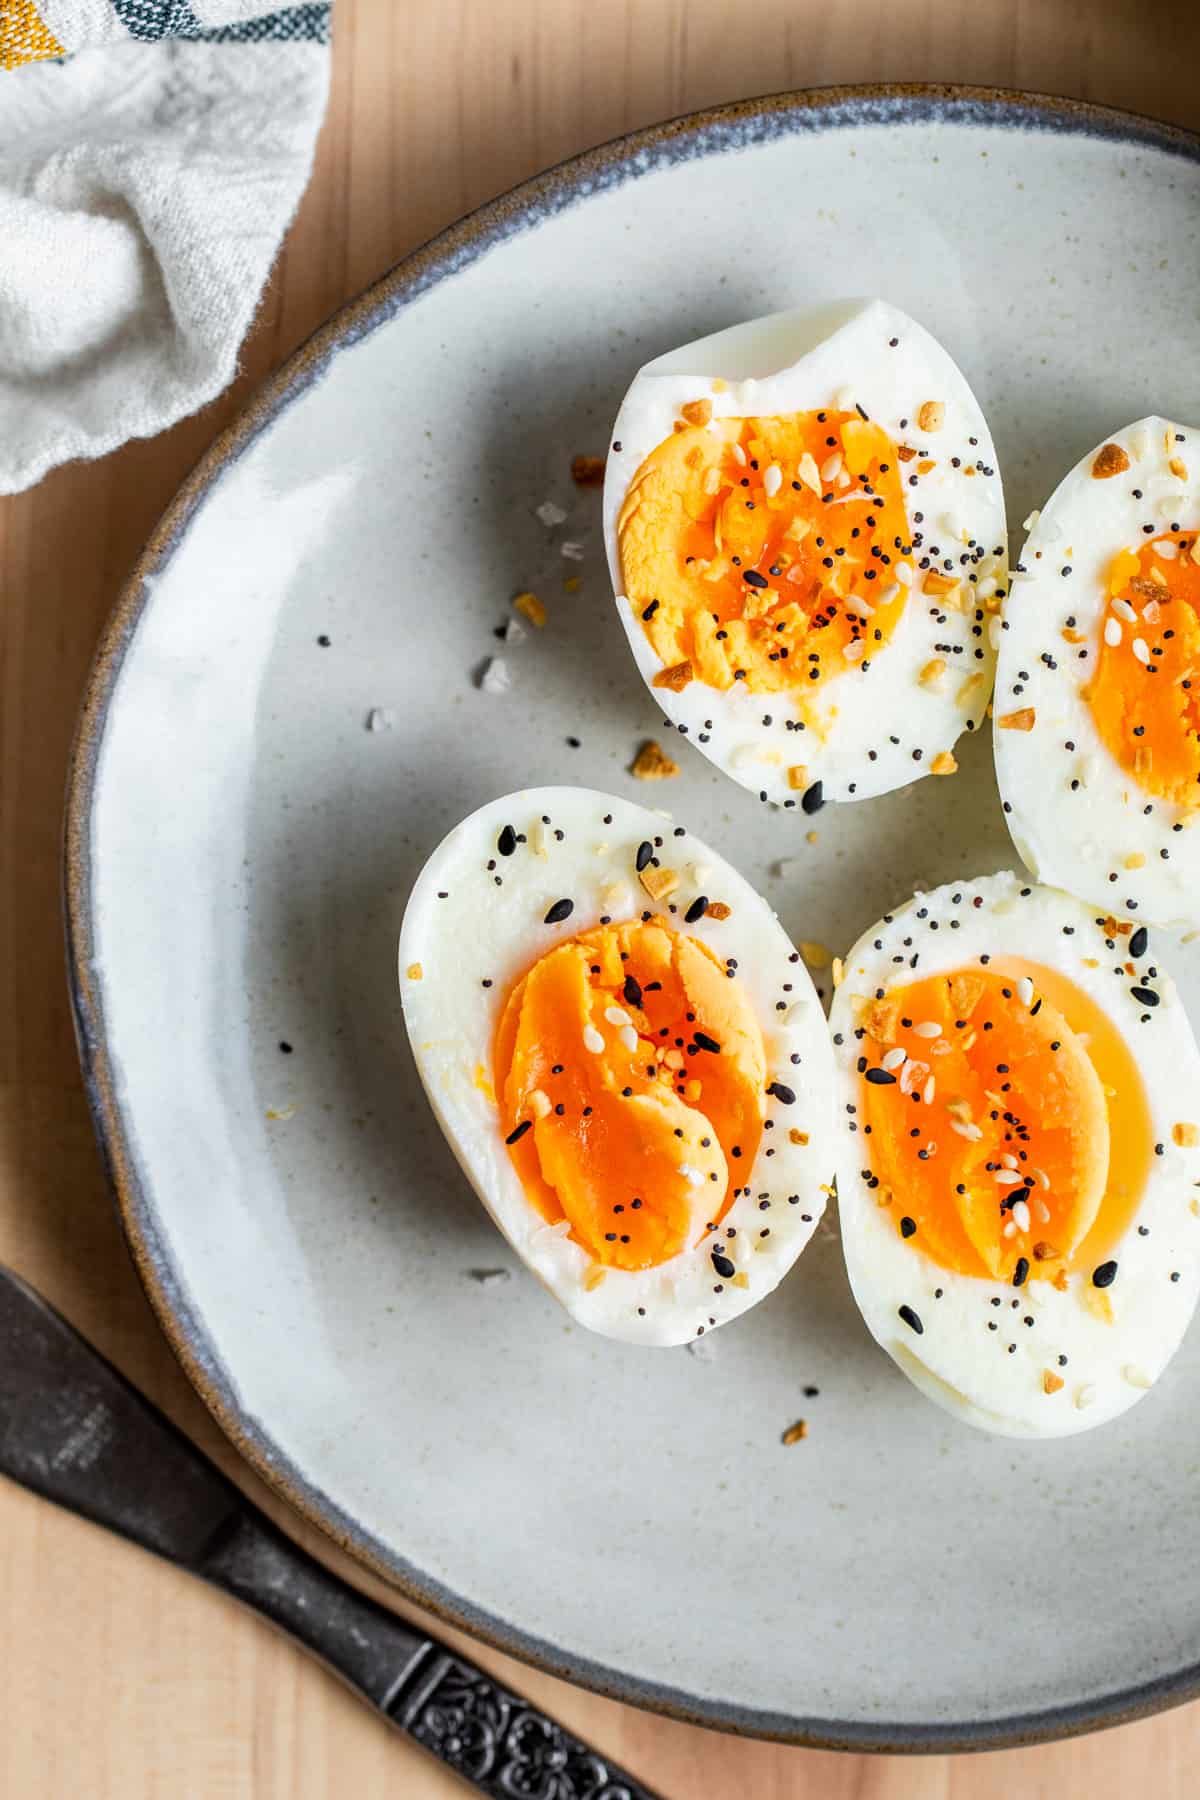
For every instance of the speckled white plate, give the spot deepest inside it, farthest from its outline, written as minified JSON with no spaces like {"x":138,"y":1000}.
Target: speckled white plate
{"x":240,"y":846}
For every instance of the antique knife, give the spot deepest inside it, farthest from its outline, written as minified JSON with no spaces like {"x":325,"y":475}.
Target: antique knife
{"x":74,"y":1430}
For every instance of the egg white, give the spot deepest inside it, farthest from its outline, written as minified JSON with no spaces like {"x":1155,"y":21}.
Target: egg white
{"x":1082,"y":837}
{"x":477,"y":916}
{"x":955,"y":1360}
{"x":872,"y":354}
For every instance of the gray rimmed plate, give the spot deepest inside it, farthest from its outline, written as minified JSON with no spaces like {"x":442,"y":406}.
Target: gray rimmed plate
{"x":241,"y":841}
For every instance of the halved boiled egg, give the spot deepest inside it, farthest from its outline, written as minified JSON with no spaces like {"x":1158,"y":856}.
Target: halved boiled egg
{"x":626,"y":1055}
{"x":806,"y":537}
{"x":1019,"y":1170}
{"x":1097,"y":712}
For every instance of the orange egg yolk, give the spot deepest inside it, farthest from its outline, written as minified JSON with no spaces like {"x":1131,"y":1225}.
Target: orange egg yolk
{"x":1009,"y":1132}
{"x":631,"y":1079}
{"x":761,"y":550}
{"x":1145,"y":694}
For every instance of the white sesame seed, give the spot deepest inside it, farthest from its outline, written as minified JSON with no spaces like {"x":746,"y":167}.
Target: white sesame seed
{"x":1112,"y":633}
{"x":739,"y":456}
{"x":1043,"y":1212}
{"x":495,"y":678}
{"x":616,"y":1015}
{"x":929,"y":1090}
{"x":971,"y":1132}
{"x":1141,"y":649}
{"x":1010,"y":1230}
{"x":550,"y":514}
{"x":1025,"y":990}
{"x":592,"y":1040}
{"x":1041,"y":1175}
{"x":912,"y":1075}
{"x":1020,"y":1213}
{"x":772,"y":481}
{"x":928,"y":1028}
{"x":995,"y":630}
{"x":1032,"y":520}
{"x":572,"y":549}
{"x":629,"y":1037}
{"x":1136,"y":1377}
{"x":890,"y":593}
{"x":1168,"y":549}
{"x":1124,"y":611}
{"x":806,"y":469}
{"x":895,"y":1057}
{"x":1009,"y":1161}
{"x":693,"y":1177}
{"x":1084,"y":1396}
{"x":831,"y":466}
{"x":1005,"y":1177}
{"x":855,"y":650}
{"x":903,"y":573}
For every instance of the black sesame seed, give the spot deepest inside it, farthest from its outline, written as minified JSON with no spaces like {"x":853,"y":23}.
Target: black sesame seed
{"x":562,"y":909}
{"x":911,"y":1319}
{"x":1105,"y":1275}
{"x":908,"y":1227}
{"x":722,"y":1265}
{"x":881,"y":1077}
{"x":522,"y":1128}
{"x":696,"y":910}
{"x":785,"y":1095}
{"x":506,"y":843}
{"x":814,"y":798}
{"x":645,"y":852}
{"x":1139,"y":942}
{"x":1144,"y":996}
{"x":1021,"y":1272}
{"x":702,"y":1041}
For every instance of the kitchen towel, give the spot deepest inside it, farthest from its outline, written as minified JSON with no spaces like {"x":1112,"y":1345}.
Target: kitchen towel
{"x":152,"y":154}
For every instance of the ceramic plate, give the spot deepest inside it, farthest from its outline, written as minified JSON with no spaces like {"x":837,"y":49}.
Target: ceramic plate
{"x":241,"y":843}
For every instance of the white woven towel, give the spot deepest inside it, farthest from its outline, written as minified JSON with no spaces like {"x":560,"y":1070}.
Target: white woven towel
{"x":146,"y":181}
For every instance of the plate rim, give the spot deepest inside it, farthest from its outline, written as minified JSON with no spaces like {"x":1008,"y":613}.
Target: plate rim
{"x":711,"y":131}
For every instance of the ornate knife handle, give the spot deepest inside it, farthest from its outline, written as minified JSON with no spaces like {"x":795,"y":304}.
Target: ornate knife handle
{"x":496,"y":1740}
{"x":506,"y":1747}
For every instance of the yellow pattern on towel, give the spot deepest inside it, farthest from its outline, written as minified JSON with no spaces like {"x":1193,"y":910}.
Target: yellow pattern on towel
{"x":24,"y":38}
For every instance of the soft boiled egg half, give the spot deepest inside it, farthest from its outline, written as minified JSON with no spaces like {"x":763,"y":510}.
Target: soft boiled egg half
{"x":1097,"y":716}
{"x":806,"y":536}
{"x":626,"y":1055}
{"x":1019,"y":1171}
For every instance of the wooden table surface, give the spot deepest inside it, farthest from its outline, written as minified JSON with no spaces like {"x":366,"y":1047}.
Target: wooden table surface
{"x":120,"y":1679}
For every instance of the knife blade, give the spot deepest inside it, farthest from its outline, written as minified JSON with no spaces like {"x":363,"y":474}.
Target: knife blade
{"x":75,"y":1431}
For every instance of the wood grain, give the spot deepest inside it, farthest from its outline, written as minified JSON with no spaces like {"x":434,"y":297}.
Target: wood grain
{"x":120,"y":1680}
